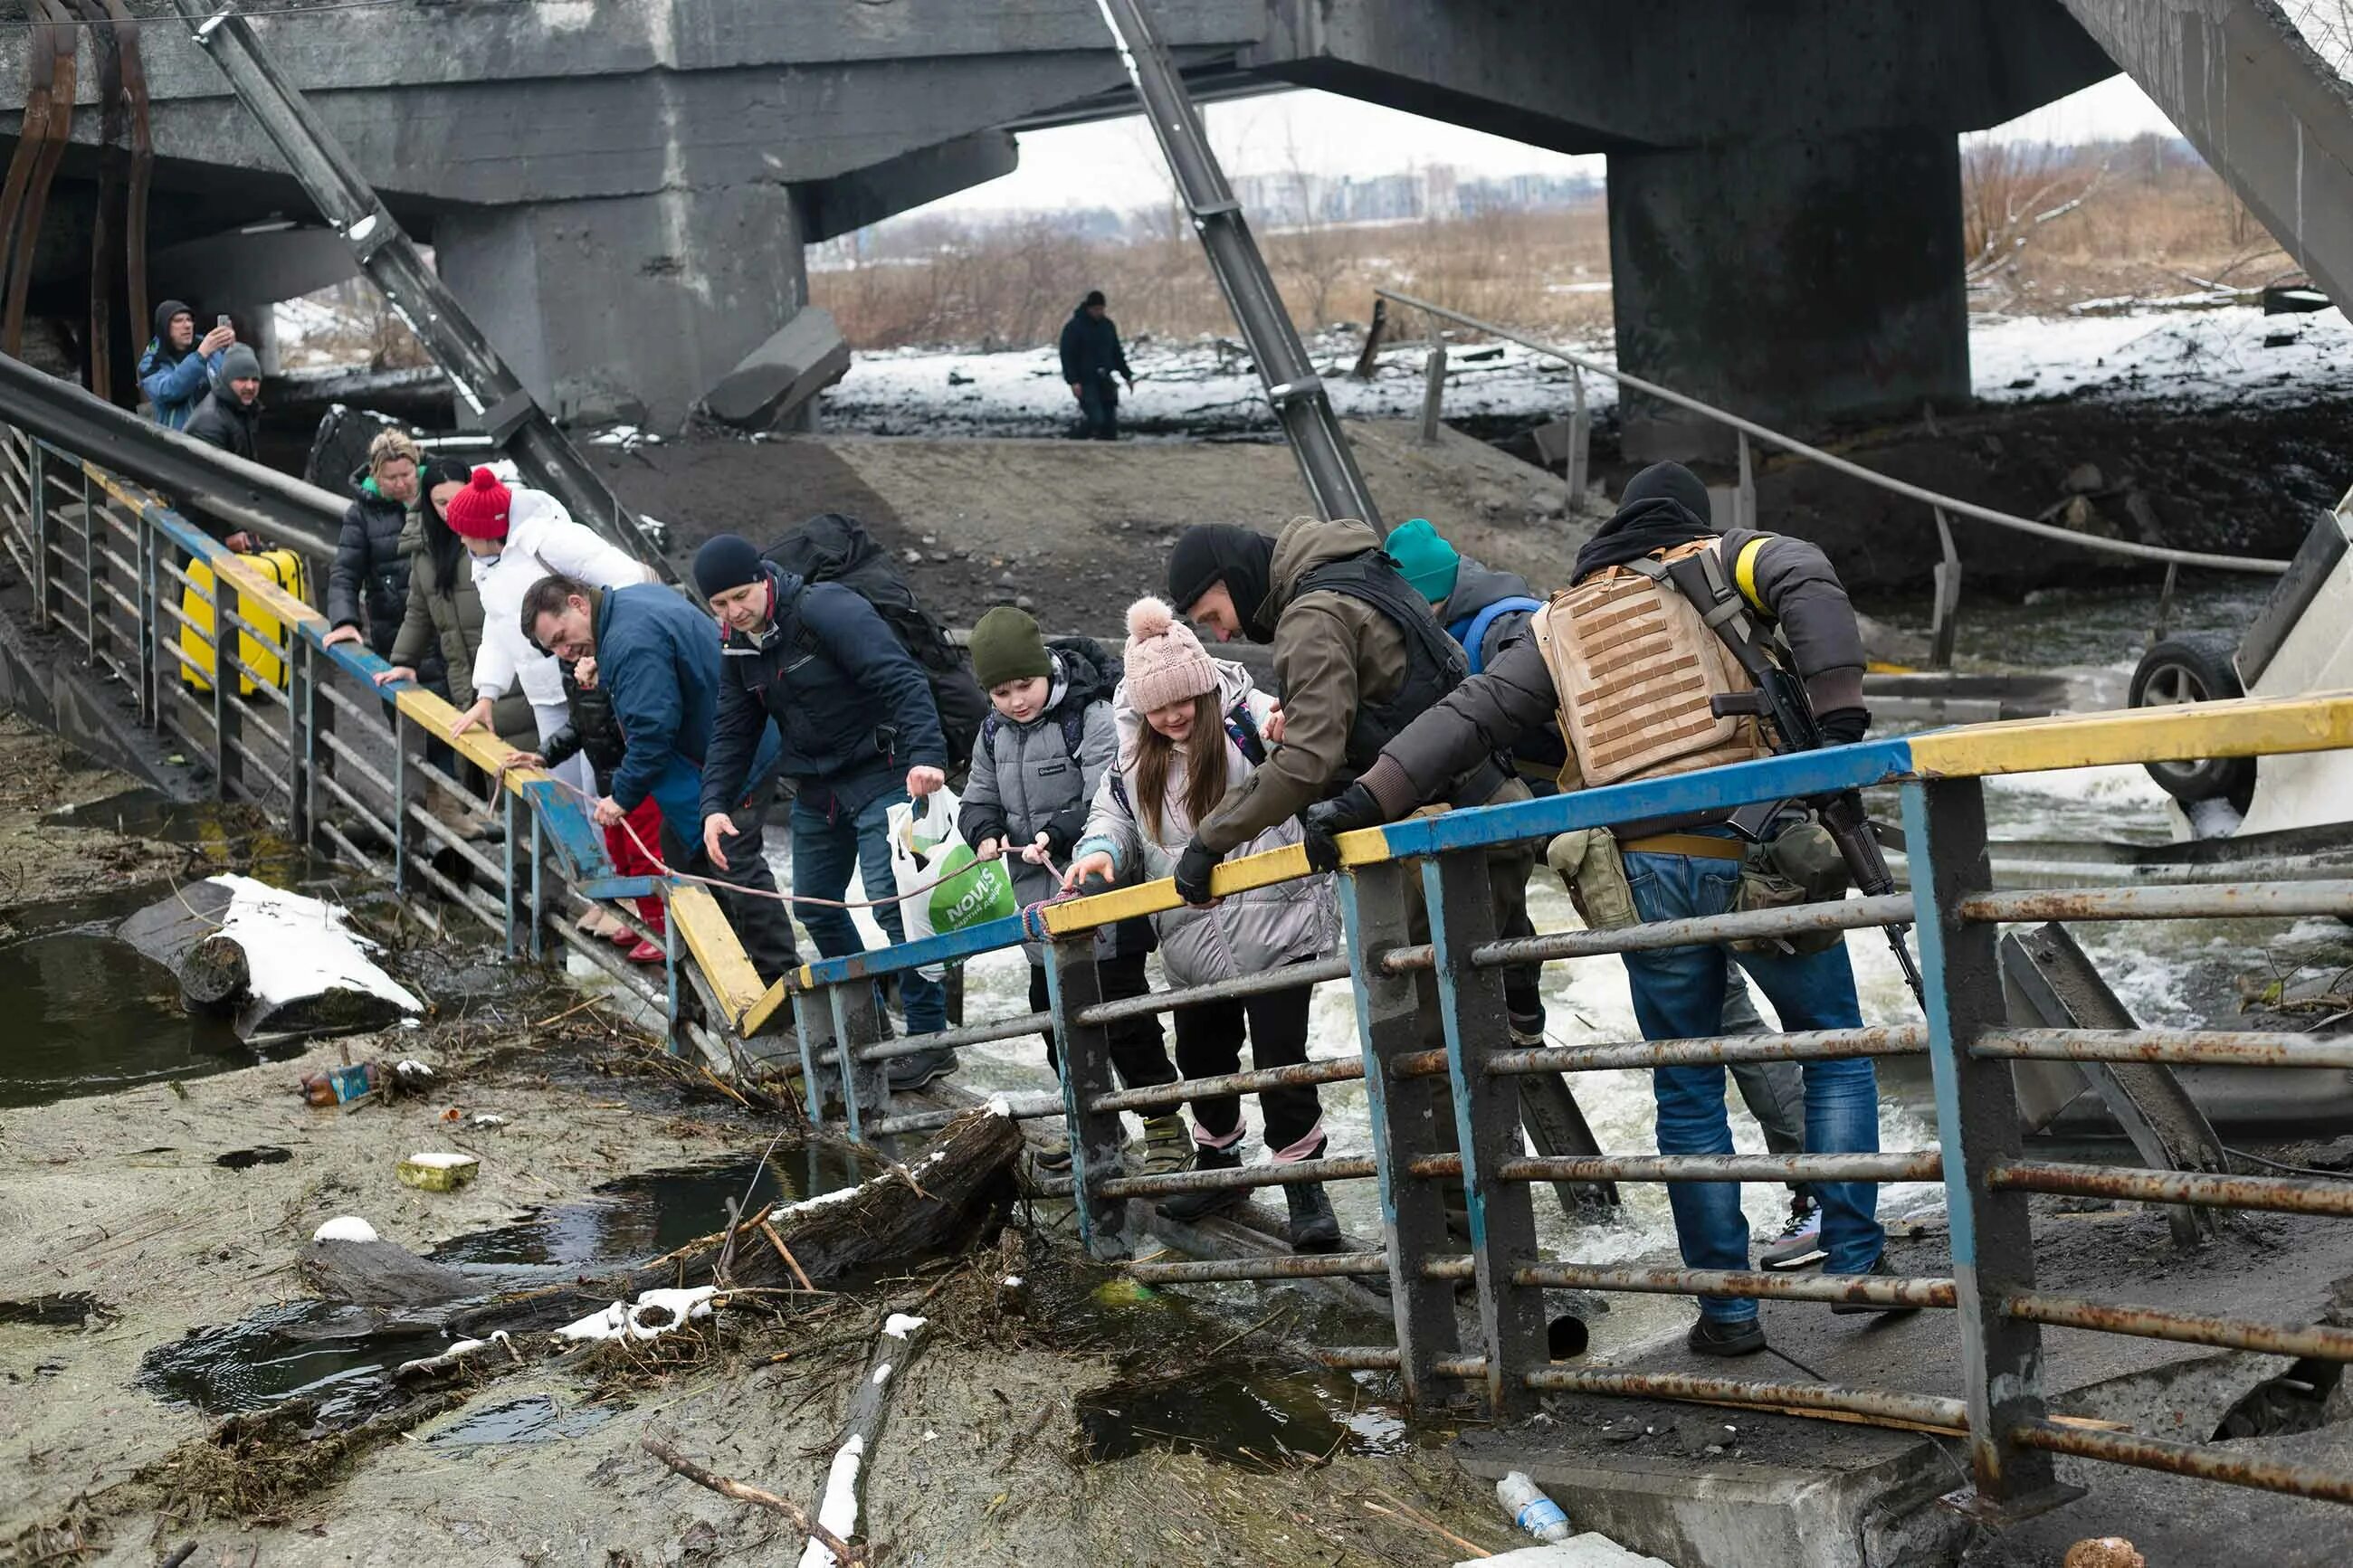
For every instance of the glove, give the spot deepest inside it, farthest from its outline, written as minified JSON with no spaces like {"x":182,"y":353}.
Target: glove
{"x":1193,"y":868}
{"x":1322,"y":822}
{"x":1843,"y":726}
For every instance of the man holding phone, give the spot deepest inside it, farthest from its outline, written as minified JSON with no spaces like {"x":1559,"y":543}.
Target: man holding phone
{"x":174,"y":373}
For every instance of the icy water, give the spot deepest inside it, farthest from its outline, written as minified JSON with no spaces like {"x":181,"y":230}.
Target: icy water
{"x":342,"y":1355}
{"x":2180,"y":973}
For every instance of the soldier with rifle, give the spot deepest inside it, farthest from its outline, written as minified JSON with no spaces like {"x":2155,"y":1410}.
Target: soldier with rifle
{"x":1678,"y":646}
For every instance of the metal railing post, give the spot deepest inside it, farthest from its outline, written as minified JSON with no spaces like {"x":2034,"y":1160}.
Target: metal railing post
{"x":674,"y":1032}
{"x":1946,"y":610}
{"x":89,"y":576}
{"x":1580,"y":441}
{"x":1434,"y":389}
{"x":813,"y":1026}
{"x":407,"y":789}
{"x":39,"y":466}
{"x":507,"y":888}
{"x":300,"y":672}
{"x":1501,"y":1213}
{"x":538,"y":889}
{"x":1744,"y":510}
{"x":1073,"y":984}
{"x":857,"y":1023}
{"x":1375,"y":904}
{"x":1977,"y":1126}
{"x":225,"y":682}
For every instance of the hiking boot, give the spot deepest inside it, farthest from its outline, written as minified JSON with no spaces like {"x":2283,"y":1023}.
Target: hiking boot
{"x":1880,"y":1268}
{"x":1313,"y":1227}
{"x":1711,"y":1336}
{"x":913,"y":1072}
{"x":1800,"y":1241}
{"x":1052,"y":1155}
{"x":456,"y":816}
{"x":1167,"y":1145}
{"x":1194,"y":1205}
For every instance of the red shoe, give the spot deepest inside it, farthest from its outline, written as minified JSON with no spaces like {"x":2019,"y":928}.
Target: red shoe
{"x":625,"y":935}
{"x":645,"y":952}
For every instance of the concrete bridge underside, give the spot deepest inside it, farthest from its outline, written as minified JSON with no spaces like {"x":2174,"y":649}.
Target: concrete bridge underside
{"x":620,"y":189}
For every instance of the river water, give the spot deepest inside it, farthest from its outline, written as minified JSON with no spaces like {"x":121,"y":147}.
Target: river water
{"x":2181,"y":973}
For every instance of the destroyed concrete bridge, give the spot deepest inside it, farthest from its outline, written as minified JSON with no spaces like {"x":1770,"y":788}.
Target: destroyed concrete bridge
{"x":620,"y":190}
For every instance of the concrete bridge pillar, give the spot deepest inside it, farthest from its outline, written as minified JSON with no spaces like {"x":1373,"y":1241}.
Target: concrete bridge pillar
{"x":1793,"y":280}
{"x":629,"y":308}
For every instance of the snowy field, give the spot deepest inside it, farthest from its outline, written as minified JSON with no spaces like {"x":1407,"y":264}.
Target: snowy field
{"x":2190,"y":358}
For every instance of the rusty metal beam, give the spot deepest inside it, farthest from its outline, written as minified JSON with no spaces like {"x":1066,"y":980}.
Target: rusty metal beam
{"x":1924,"y":1292}
{"x":1298,"y":1074}
{"x":2280,"y":1195}
{"x":1158,"y":1002}
{"x":1923,"y":1409}
{"x":1807,"y":1046}
{"x":1844,"y":914}
{"x":2178,"y":1048}
{"x":2183,"y":1328}
{"x":2217,"y":901}
{"x":1346,"y":1169}
{"x":1923,"y":1165}
{"x":2204,"y":1461}
{"x":1304,"y":1265}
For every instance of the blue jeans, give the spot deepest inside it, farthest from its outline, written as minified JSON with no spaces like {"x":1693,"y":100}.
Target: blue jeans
{"x":826,"y":847}
{"x":1679,"y":994}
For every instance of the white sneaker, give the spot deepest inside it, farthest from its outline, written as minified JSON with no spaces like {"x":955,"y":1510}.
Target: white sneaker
{"x":1800,"y":1241}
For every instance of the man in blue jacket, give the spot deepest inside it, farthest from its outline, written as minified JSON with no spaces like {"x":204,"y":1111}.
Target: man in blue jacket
{"x":175,"y":371}
{"x":815,"y":663}
{"x":659,"y":659}
{"x":1091,"y":357}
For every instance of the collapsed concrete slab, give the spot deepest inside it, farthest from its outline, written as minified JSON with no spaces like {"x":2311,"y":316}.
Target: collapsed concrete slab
{"x":801,"y":359}
{"x":280,"y":960}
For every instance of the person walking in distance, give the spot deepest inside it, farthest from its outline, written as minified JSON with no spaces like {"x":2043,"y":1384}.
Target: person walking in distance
{"x":656,"y":656}
{"x":1191,"y":732}
{"x":1091,"y":358}
{"x":1624,"y":724}
{"x":175,"y":371}
{"x":815,"y":664}
{"x":1050,"y":741}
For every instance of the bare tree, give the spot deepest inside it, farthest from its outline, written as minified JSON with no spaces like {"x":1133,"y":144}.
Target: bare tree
{"x":2010,"y":190}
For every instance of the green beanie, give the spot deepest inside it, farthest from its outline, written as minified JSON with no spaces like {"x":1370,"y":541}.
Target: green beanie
{"x":1428,"y":562}
{"x":1006,"y":647}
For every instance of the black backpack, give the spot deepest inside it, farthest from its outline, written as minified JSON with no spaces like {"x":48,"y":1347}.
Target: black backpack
{"x":832,"y":548}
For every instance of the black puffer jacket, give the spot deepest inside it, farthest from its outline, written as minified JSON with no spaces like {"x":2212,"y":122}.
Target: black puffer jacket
{"x":591,"y":729}
{"x":371,"y":570}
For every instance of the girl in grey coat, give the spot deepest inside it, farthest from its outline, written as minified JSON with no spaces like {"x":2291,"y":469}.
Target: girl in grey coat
{"x":1190,"y":728}
{"x":1044,"y":748}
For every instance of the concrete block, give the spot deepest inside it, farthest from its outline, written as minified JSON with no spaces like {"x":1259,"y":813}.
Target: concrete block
{"x":804,"y":357}
{"x":1590,"y":1550}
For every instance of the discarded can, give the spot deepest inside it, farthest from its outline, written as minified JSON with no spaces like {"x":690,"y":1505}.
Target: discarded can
{"x":439,"y":1172}
{"x":340,"y":1086}
{"x":1530,"y":1508}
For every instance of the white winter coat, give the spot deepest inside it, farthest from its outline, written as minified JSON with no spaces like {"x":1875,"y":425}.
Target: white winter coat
{"x":541,"y":539}
{"x":1246,"y":933}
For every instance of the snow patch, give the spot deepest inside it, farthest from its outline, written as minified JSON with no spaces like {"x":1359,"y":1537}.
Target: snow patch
{"x":437,"y":1161}
{"x":345,"y":1228}
{"x":623,"y":1320}
{"x":898,"y":1326}
{"x":839,"y":1509}
{"x":881,"y":1375}
{"x":297,"y":947}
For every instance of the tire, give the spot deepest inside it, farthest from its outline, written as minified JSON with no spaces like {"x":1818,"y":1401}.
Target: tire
{"x":2195,"y":666}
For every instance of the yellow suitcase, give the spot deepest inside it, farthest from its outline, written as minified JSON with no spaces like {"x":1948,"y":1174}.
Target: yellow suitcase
{"x":282,"y":567}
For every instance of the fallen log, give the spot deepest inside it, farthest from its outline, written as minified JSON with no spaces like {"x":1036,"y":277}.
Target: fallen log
{"x":956,"y":1194}
{"x":843,"y":1504}
{"x":728,"y":1486}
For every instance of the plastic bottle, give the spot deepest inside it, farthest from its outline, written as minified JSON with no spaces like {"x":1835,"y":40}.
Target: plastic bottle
{"x":1530,"y":1508}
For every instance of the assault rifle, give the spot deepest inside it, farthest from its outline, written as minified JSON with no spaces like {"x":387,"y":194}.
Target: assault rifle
{"x":1780,"y":699}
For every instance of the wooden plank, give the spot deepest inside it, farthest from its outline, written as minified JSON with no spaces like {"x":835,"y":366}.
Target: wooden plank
{"x":719,"y":953}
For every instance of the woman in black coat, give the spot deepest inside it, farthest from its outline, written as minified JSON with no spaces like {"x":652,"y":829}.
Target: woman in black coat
{"x":368,"y":584}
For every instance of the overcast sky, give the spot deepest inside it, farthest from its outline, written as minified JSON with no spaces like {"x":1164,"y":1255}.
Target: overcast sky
{"x":1115,"y":163}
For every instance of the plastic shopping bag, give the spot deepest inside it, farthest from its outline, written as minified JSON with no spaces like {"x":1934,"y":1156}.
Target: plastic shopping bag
{"x":941,"y":887}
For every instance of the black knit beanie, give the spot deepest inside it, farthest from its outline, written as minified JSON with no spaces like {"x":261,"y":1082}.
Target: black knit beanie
{"x":725,"y":560}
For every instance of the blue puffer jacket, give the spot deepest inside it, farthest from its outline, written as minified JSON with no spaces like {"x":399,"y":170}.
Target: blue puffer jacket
{"x":175,"y":383}
{"x":659,"y":658}
{"x":852,"y":708}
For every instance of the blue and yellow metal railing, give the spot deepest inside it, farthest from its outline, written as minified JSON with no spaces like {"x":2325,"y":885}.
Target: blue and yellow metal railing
{"x":348,"y":763}
{"x":1415,"y":902}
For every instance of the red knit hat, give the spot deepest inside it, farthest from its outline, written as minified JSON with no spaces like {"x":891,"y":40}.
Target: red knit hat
{"x":479,"y":510}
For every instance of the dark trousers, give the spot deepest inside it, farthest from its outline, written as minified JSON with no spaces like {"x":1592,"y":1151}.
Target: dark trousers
{"x":1137,"y":1053}
{"x":1098,"y":409}
{"x":761,"y":925}
{"x":1209,"y":1043}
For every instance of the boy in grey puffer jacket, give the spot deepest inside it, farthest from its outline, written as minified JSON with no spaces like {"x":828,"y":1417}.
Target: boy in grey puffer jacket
{"x":1046,"y":746}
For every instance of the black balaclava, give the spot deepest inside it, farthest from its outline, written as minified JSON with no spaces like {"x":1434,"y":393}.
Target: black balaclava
{"x":1661,"y":507}
{"x":1241,"y":558}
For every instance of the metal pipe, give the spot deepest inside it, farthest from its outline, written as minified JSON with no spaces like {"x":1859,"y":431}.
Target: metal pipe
{"x":1831,"y":460}
{"x":346,"y":849}
{"x":2178,"y":1048}
{"x":1303,"y":1266}
{"x":1345,"y":1070}
{"x":1011,"y":1028}
{"x":1356,"y":1358}
{"x":1283,"y":978}
{"x":1852,"y":1287}
{"x":1841,"y":914}
{"x":1346,"y":1169}
{"x":1927,"y":1166}
{"x":2185,"y":1328}
{"x":2203,"y":1461}
{"x":2218,"y":901}
{"x":1806,"y":1046}
{"x":2280,"y":1195}
{"x":1020,"y":1107}
{"x":1920,"y":1409}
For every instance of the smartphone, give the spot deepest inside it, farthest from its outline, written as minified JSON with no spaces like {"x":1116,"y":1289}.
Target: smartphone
{"x":220,"y":320}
